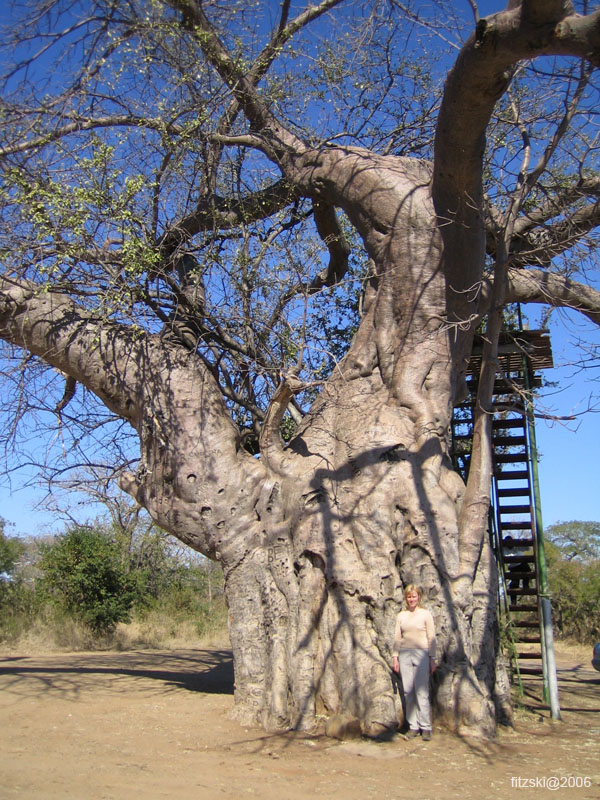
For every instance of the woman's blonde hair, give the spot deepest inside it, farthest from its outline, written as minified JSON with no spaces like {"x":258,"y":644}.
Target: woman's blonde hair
{"x":412,"y":587}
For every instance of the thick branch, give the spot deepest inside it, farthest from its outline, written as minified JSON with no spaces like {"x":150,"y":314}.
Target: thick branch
{"x":479,"y":77}
{"x":558,"y":203}
{"x":540,"y":246}
{"x":538,"y":286}
{"x":552,"y":228}
{"x":271,"y":444}
{"x":331,"y":233}
{"x":545,"y":12}
{"x":189,"y":446}
{"x":103,"y":357}
{"x":221,"y":213}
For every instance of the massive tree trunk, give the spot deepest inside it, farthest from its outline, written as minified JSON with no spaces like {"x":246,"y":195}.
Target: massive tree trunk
{"x":362,"y":502}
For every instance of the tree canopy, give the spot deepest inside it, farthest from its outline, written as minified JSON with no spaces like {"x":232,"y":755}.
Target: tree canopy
{"x":137,"y":180}
{"x":576,"y":540}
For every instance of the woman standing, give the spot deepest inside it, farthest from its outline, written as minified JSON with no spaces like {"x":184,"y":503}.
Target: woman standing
{"x":414,"y":659}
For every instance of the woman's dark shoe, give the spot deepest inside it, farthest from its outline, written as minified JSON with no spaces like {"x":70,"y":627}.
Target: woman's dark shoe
{"x":426,"y":736}
{"x":412,"y":734}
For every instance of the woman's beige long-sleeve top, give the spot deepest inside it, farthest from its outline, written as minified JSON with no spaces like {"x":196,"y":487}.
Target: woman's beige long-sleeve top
{"x":414,"y":631}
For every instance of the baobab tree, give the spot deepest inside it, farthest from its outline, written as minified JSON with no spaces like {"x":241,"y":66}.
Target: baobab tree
{"x":261,"y":237}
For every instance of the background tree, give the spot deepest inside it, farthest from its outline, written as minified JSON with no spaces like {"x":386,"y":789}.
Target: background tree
{"x":10,"y":551}
{"x":577,"y":539}
{"x":16,"y":603}
{"x":221,"y":223}
{"x":574,"y":578}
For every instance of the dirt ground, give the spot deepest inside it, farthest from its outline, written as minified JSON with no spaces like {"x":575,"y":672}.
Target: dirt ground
{"x":156,"y":724}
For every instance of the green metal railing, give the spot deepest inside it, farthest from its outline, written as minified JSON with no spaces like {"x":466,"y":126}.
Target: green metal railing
{"x":546,"y":632}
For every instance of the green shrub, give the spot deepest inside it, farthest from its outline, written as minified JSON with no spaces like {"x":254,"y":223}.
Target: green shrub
{"x":82,"y":571}
{"x":20,"y":606}
{"x":10,"y":550}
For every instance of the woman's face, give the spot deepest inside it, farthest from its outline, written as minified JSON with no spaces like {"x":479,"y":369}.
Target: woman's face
{"x":412,"y":600}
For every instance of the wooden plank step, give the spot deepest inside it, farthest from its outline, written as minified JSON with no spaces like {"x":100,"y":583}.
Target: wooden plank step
{"x":511,"y":458}
{"x":514,"y":491}
{"x":509,"y":441}
{"x":515,"y":475}
{"x":530,"y":559}
{"x":514,"y":509}
{"x":500,"y":383}
{"x":502,"y":393}
{"x":513,"y":422}
{"x":512,"y":574}
{"x":529,"y":655}
{"x":512,"y":408}
{"x":510,"y":544}
{"x":521,"y":591}
{"x":526,"y":623}
{"x":518,"y":607}
{"x":516,"y":525}
{"x":529,"y":640}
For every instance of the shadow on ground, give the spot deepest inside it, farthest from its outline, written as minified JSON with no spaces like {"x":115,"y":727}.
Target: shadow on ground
{"x":206,"y":671}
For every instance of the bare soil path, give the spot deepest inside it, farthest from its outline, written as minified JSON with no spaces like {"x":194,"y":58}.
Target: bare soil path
{"x":156,"y":724}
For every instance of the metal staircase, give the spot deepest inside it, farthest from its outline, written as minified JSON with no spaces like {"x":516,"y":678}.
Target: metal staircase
{"x":516,"y":529}
{"x":516,"y":538}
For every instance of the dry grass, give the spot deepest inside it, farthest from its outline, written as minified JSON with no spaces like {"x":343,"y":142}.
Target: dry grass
{"x":157,"y":629}
{"x":574,"y":650}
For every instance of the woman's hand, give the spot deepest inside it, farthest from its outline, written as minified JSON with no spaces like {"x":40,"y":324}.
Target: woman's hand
{"x":395,"y":664}
{"x":432,"y":665}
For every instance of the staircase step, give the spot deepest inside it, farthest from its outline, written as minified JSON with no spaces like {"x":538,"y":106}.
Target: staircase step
{"x":524,"y":623}
{"x":510,"y":458}
{"x":521,"y":591}
{"x":516,"y":525}
{"x":501,"y":382}
{"x":515,"y":475}
{"x":513,"y":543}
{"x":529,"y":640}
{"x":509,"y":441}
{"x":514,"y":491}
{"x":513,"y":422}
{"x":511,"y":408}
{"x":529,"y":655}
{"x":512,"y":559}
{"x":511,"y":575}
{"x":506,"y":393}
{"x":514,"y":509}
